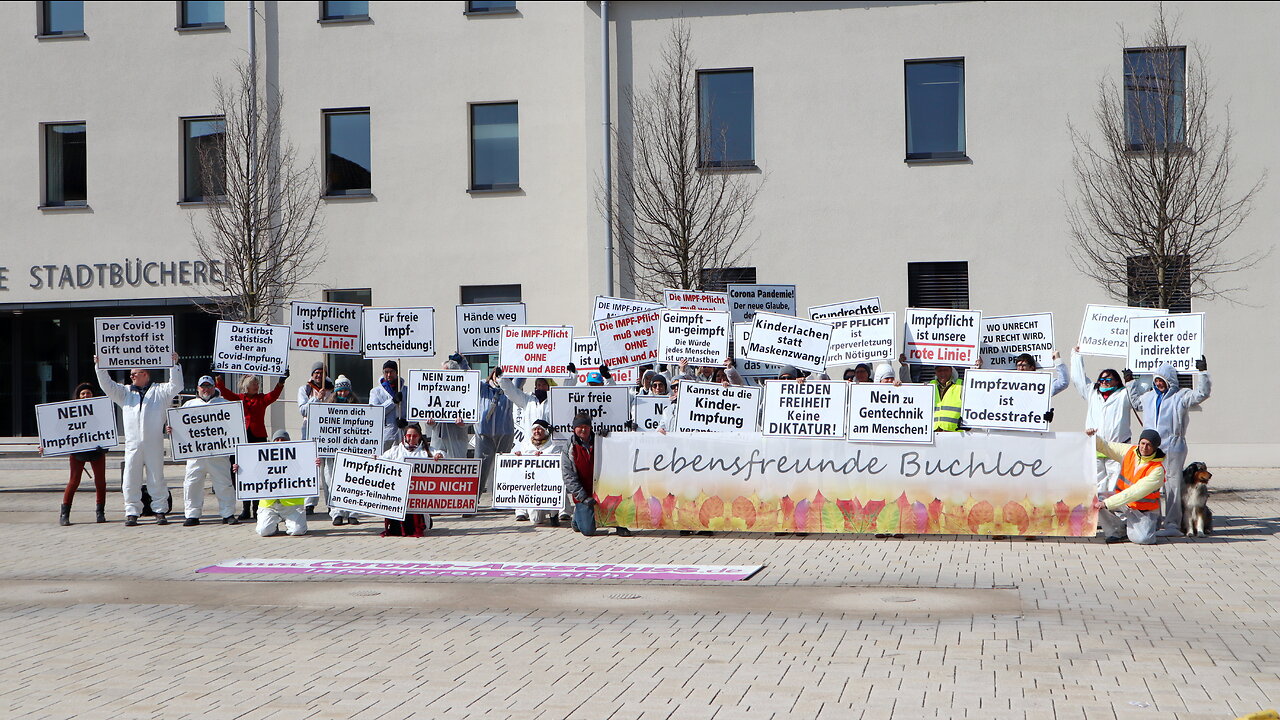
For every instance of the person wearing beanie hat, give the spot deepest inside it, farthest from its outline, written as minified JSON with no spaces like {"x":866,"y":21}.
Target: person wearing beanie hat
{"x":389,"y":393}
{"x":884,"y":374}
{"x":577,"y":466}
{"x":451,"y":438}
{"x":255,"y":413}
{"x":534,"y":408}
{"x":1133,"y":512}
{"x":96,"y":459}
{"x":496,"y":431}
{"x":539,"y":441}
{"x":271,"y":511}
{"x":342,"y":394}
{"x":317,"y":389}
{"x":217,"y":469}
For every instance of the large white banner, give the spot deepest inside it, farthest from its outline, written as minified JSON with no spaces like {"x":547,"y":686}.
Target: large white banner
{"x":1176,"y":339}
{"x":649,"y":410}
{"x":698,"y":336}
{"x":1105,"y":329}
{"x":325,"y":327}
{"x":748,"y":367}
{"x":272,"y":470}
{"x":609,"y":408}
{"x":942,"y":337}
{"x":443,"y":487}
{"x":812,"y":409}
{"x":212,"y":430}
{"x":862,"y":339}
{"x":710,"y":407}
{"x":880,"y":412}
{"x":528,"y":482}
{"x":444,"y":396}
{"x":786,"y":340}
{"x":1006,"y":399}
{"x":250,"y":348}
{"x":607,"y":307}
{"x":75,"y":426}
{"x":479,"y":327}
{"x":367,"y":485}
{"x":399,"y":332}
{"x":628,"y":340}
{"x":747,"y":300}
{"x":696,"y":300}
{"x":1005,"y":337}
{"x":134,"y":342}
{"x":345,"y":427}
{"x":843,"y":310}
{"x":536,"y":350}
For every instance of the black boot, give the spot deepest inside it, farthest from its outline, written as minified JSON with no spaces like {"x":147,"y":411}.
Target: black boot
{"x":64,"y":516}
{"x":247,"y":514}
{"x":102,"y":513}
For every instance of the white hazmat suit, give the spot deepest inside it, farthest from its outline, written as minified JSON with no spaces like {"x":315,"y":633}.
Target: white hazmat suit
{"x":217,"y":469}
{"x":144,"y":413}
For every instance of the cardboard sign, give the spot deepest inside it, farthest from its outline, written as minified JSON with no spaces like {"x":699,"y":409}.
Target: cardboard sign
{"x":942,"y":337}
{"x":479,"y":327}
{"x":862,"y":339}
{"x":784,"y":340}
{"x":367,"y":485}
{"x":536,"y":350}
{"x":442,"y":487}
{"x":1006,"y":400}
{"x":628,"y":340}
{"x":810,"y":409}
{"x":747,"y":300}
{"x":649,"y":410}
{"x":1005,"y":337}
{"x":134,"y":342}
{"x":1105,"y":329}
{"x":528,"y":482}
{"x":711,"y":407}
{"x":276,"y":470}
{"x":212,"y":430}
{"x":608,"y":407}
{"x":345,"y":427}
{"x":607,"y":307}
{"x":400,"y":332}
{"x":843,"y":310}
{"x":1176,"y":339}
{"x":76,"y":426}
{"x":696,"y":300}
{"x":325,"y":327}
{"x":444,"y":395}
{"x":882,"y":413}
{"x":746,"y":366}
{"x":250,"y":348}
{"x":698,"y":336}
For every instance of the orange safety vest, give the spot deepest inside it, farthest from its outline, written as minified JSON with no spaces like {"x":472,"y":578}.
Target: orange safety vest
{"x":1130,"y":474}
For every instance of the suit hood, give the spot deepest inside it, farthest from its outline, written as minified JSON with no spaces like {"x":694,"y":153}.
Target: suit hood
{"x":1169,"y":375}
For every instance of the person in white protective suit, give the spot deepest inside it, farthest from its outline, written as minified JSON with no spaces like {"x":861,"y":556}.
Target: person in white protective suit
{"x":144,"y":406}
{"x":389,"y":393}
{"x":216,"y":468}
{"x":451,"y":438}
{"x":534,"y":406}
{"x":316,"y":389}
{"x":538,"y":441}
{"x":293,"y":511}
{"x":1108,"y":412}
{"x":342,"y":394}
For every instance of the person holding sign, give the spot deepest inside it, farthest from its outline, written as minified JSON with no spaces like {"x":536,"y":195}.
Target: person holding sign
{"x":948,"y":394}
{"x":451,"y":438}
{"x":318,"y":389}
{"x":390,"y":395}
{"x":410,"y":445}
{"x":218,"y":469}
{"x":143,"y":405}
{"x":538,"y":441}
{"x":1165,"y":409}
{"x":97,"y":461}
{"x":255,"y":412}
{"x":1108,"y":412}
{"x":1133,"y":512}
{"x":496,"y":431}
{"x":293,"y":511}
{"x":578,"y":466}
{"x":342,"y":395}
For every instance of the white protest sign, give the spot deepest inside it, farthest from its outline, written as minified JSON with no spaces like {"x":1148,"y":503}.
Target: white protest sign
{"x":609,"y":408}
{"x":649,"y":410}
{"x":748,"y":367}
{"x":134,"y":342}
{"x":628,"y":340}
{"x":1005,"y":337}
{"x":536,"y":350}
{"x":862,"y":339}
{"x":696,"y":300}
{"x":250,"y":348}
{"x":345,"y":427}
{"x":586,"y":352}
{"x":442,"y":487}
{"x":276,"y":470}
{"x":399,"y":332}
{"x":1105,"y":328}
{"x":211,"y":430}
{"x":444,"y":395}
{"x":848,"y":309}
{"x":325,"y":327}
{"x":785,"y":340}
{"x":1176,"y":339}
{"x":528,"y":482}
{"x":699,"y":336}
{"x":942,"y":337}
{"x":479,"y":327}
{"x":363,"y":484}
{"x":1006,"y":399}
{"x":880,"y":412}
{"x":607,"y":307}
{"x":711,"y":407}
{"x":747,"y":300}
{"x":76,"y":426}
{"x":810,"y":409}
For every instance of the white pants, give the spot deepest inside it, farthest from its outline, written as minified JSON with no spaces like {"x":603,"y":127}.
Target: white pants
{"x":1108,"y":471}
{"x":326,"y":488}
{"x":219,"y":471}
{"x":1171,"y":493}
{"x":1139,"y":526}
{"x":541,"y":515}
{"x":144,"y":463}
{"x":294,"y":516}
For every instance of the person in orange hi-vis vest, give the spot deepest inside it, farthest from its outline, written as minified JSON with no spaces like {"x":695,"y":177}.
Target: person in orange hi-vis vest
{"x":1133,"y":511}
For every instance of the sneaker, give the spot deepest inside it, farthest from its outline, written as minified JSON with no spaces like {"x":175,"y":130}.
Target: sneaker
{"x":162,"y":519}
{"x":522,"y":518}
{"x":231,"y":520}
{"x":1168,"y":532}
{"x":131,"y":521}
{"x":189,"y":522}
{"x":339,"y":520}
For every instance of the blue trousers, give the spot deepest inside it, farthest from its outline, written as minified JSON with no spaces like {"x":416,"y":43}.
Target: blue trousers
{"x":584,"y":517}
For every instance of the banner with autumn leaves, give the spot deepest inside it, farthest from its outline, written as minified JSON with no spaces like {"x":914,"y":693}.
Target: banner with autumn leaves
{"x":968,"y":483}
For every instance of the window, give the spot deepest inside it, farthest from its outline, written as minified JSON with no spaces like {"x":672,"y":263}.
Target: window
{"x":494,"y":7}
{"x":719,"y":279}
{"x":1144,"y":284}
{"x":495,"y":146}
{"x":203,"y":146}
{"x":935,"y":109}
{"x":61,"y":17}
{"x":938,"y":285}
{"x":64,"y":165}
{"x":343,"y":10}
{"x":358,"y":370}
{"x":346,"y":152}
{"x":1154,"y":83}
{"x":726,"y":117}
{"x":202,"y":14}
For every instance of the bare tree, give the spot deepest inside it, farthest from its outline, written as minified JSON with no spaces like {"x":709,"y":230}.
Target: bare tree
{"x":263,"y":219}
{"x":1153,"y":211}
{"x":673,"y":217}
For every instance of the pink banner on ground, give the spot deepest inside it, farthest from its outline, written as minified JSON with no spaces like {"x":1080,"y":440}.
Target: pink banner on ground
{"x":511,"y":570}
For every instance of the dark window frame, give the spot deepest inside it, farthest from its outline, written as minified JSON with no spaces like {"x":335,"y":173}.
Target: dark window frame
{"x":185,"y":194}
{"x":719,"y":279}
{"x":185,"y":26}
{"x":925,"y":157}
{"x":328,"y":191}
{"x":703,"y":162}
{"x":1177,"y":145}
{"x":469,"y":10}
{"x":43,"y":30}
{"x":1144,"y":265}
{"x":46,"y":133}
{"x":472,"y":186}
{"x":326,"y":18}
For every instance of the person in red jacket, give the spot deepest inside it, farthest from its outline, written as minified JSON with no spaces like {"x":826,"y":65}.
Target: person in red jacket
{"x":255,"y":410}
{"x":577,"y":466}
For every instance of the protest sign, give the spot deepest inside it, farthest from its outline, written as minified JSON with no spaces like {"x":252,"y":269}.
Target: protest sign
{"x":479,"y":327}
{"x":696,"y":300}
{"x":276,"y":470}
{"x":367,"y":485}
{"x":399,"y":332}
{"x":528,"y":482}
{"x":536,"y":350}
{"x":609,"y":408}
{"x":880,"y":412}
{"x":607,"y":307}
{"x":746,"y":300}
{"x":649,"y":410}
{"x":74,"y":426}
{"x":784,"y":340}
{"x":812,"y":409}
{"x":862,"y":339}
{"x":1175,"y":339}
{"x":325,"y":327}
{"x":210,"y":430}
{"x":628,"y":340}
{"x":442,"y":487}
{"x":586,"y":352}
{"x":1006,"y":399}
{"x":711,"y":407}
{"x":1105,"y":329}
{"x":627,"y":376}
{"x":941,"y":337}
{"x":251,"y":348}
{"x":345,"y":427}
{"x":842,"y":310}
{"x":1005,"y":337}
{"x":698,"y":336}
{"x":444,"y":395}
{"x":134,"y":342}
{"x":747,"y":367}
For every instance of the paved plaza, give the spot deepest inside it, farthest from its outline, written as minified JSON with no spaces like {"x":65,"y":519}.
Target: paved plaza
{"x":103,"y":621}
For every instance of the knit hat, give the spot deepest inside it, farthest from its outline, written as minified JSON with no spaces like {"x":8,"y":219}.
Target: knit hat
{"x":280,"y":435}
{"x":317,"y":365}
{"x":392,"y":365}
{"x":582,"y":419}
{"x":863,"y":366}
{"x":1151,"y":436}
{"x":788,"y":370}
{"x":343,"y":383}
{"x":883,"y":370}
{"x":542,"y":423}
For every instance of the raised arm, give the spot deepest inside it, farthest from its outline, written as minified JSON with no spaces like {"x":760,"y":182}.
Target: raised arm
{"x":1078,"y":378}
{"x":1060,"y":378}
{"x":110,"y":388}
{"x":223,"y":390}
{"x":515,"y":394}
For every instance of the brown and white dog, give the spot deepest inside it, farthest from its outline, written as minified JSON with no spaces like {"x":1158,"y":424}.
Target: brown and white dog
{"x":1197,"y":519}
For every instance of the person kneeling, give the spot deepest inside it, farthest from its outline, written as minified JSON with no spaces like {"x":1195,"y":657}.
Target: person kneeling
{"x":293,"y":511}
{"x":411,"y":445}
{"x":578,"y":469}
{"x":1133,"y":512}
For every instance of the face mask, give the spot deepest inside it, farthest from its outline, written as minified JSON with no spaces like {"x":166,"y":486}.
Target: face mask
{"x":541,"y":395}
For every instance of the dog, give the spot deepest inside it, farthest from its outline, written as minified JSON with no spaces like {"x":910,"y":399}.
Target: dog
{"x":1197,"y":519}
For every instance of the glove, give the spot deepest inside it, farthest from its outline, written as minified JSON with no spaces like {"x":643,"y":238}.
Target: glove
{"x":402,"y":423}
{"x":1048,"y":417}
{"x":456,"y":357}
{"x":1128,"y":375}
{"x":286,"y":374}
{"x":630,"y":425}
{"x":604,"y":371}
{"x":572,"y":368}
{"x":1202,"y":364}
{"x":399,"y":397}
{"x":602,"y":432}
